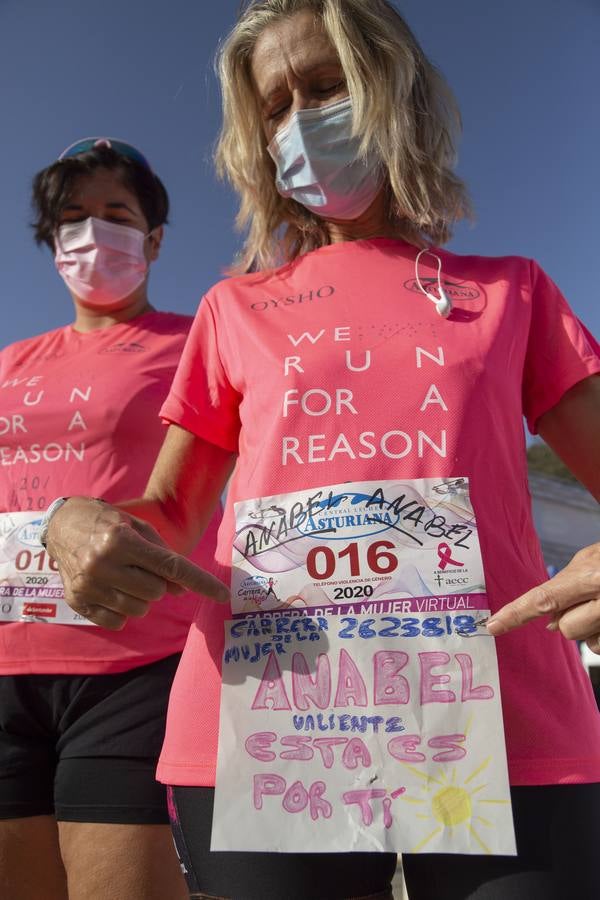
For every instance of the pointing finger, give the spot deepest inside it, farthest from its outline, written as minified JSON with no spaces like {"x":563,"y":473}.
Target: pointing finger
{"x":177,"y":569}
{"x":552,"y":598}
{"x":191,"y":577}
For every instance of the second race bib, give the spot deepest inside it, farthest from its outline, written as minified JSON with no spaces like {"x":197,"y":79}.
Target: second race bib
{"x":31,"y":589}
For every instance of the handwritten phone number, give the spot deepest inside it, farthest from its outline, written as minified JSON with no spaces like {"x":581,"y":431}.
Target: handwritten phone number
{"x":406,"y":627}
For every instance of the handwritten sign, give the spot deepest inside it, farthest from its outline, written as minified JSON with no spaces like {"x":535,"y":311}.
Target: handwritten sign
{"x":360,"y":707}
{"x":31,"y":589}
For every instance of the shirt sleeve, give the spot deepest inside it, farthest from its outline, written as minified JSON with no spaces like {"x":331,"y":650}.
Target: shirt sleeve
{"x":591,"y":339}
{"x":560,"y":351}
{"x":6,"y":362}
{"x":202,"y":399}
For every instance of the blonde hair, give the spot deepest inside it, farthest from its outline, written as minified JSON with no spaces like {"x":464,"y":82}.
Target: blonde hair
{"x":403,"y":111}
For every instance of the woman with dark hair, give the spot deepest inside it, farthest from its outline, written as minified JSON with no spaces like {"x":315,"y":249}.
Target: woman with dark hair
{"x":82,"y":708}
{"x":352,"y":349}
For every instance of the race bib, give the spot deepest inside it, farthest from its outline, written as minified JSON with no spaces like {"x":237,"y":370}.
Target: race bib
{"x":30,"y":587}
{"x":360,"y":707}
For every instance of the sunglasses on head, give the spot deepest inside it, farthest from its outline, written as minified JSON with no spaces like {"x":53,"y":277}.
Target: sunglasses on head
{"x":120,"y":147}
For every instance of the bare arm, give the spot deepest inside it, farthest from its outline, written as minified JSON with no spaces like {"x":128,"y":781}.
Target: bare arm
{"x":184,"y":488}
{"x":571,"y":598}
{"x":116,"y":560}
{"x":572,"y":429}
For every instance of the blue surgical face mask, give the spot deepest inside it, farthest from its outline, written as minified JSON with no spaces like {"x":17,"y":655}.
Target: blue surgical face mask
{"x":318,"y":163}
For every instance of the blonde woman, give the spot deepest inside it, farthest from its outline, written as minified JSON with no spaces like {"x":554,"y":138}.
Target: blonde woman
{"x":338,"y":135}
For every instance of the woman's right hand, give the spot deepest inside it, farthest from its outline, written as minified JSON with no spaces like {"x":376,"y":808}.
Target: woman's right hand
{"x":114,"y":565}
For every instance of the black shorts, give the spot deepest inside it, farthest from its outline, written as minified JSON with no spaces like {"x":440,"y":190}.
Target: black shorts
{"x":269,"y":876}
{"x":557,"y":828}
{"x":558,"y":840}
{"x":84,"y":748}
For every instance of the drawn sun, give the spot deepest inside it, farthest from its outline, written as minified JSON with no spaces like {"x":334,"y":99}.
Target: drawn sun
{"x":452,"y":804}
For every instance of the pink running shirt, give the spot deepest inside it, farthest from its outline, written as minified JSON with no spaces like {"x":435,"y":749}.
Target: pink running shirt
{"x":79,"y":415}
{"x":336,"y":368}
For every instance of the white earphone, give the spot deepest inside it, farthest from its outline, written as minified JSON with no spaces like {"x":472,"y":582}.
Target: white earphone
{"x":443,"y":304}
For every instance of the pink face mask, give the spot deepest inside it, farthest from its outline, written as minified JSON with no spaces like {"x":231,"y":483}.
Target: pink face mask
{"x":101,"y":262}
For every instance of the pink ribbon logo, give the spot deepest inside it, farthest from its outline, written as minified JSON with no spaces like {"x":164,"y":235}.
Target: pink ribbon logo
{"x":445,"y":557}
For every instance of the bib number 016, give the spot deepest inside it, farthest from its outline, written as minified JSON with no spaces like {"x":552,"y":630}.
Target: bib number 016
{"x":25,"y":559}
{"x":321,"y":562}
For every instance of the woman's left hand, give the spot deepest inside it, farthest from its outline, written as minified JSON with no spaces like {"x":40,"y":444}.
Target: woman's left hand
{"x":571,"y":598}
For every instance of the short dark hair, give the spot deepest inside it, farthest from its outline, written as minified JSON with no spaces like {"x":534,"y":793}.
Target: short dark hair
{"x":54,"y":185}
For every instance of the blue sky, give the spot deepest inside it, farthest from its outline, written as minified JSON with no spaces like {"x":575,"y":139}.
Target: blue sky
{"x":526,"y":74}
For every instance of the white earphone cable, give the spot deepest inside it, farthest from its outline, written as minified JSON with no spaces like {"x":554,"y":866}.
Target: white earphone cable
{"x":443,"y":304}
